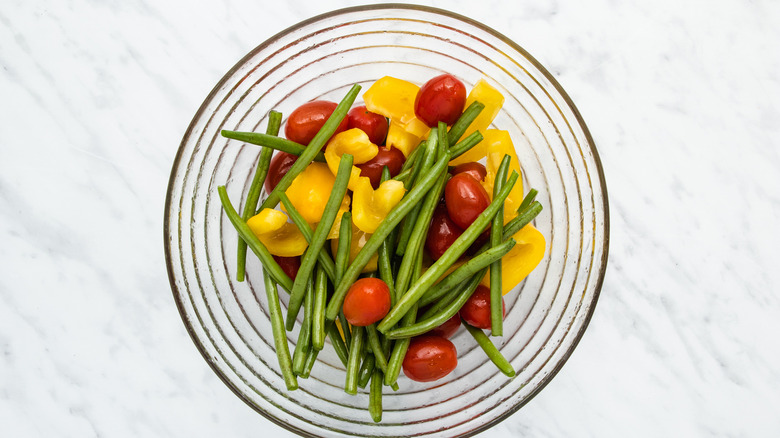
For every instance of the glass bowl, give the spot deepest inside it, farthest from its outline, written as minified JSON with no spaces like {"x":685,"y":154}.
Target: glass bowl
{"x":321,"y":58}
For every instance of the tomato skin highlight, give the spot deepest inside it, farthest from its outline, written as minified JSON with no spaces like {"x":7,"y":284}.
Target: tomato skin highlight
{"x":306,"y":120}
{"x":429,"y":358}
{"x":387,"y":156}
{"x":465,"y":199}
{"x":476,"y":311}
{"x":442,"y":232}
{"x":278,"y":168}
{"x":367,"y":301}
{"x":289,"y":265}
{"x":447,"y":328}
{"x":441,"y":99}
{"x":373,"y":124}
{"x":475,"y":169}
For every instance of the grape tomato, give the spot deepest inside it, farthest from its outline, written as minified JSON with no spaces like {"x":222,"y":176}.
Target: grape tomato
{"x":441,"y":233}
{"x":441,"y":99}
{"x":473,"y":168}
{"x":476,"y":310}
{"x":373,"y":124}
{"x":429,"y":358}
{"x":465,"y":199}
{"x":367,"y":301}
{"x":289,"y":265}
{"x":278,"y":168}
{"x":386,"y":156}
{"x":306,"y":120}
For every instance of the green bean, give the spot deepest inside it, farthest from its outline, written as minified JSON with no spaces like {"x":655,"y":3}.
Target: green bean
{"x":493,"y":354}
{"x":409,"y":182}
{"x":403,"y":176}
{"x":523,"y":219}
{"x":311,"y":359}
{"x":280,"y":335}
{"x":446,"y":260}
{"x":253,"y":242}
{"x":444,"y":142}
{"x":303,"y":345}
{"x":271,"y":142}
{"x":338,"y":343}
{"x":527,"y":200}
{"x":375,"y":396}
{"x":429,"y":156}
{"x":344,"y":328}
{"x":466,"y":270}
{"x":274,"y":122}
{"x":366,"y":370}
{"x":318,"y":239}
{"x":464,"y":121}
{"x":466,"y":144}
{"x":430,"y":322}
{"x":399,"y":349}
{"x":384,"y":259}
{"x":325,"y":260}
{"x":409,"y":161}
{"x":385,"y":228}
{"x":318,"y":317}
{"x":344,"y":245}
{"x":419,"y":233}
{"x":496,"y":235}
{"x":313,"y":148}
{"x":353,"y":364}
{"x":376,"y":347}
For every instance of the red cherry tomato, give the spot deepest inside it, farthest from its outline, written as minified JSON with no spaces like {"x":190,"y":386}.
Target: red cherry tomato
{"x":289,"y":265}
{"x":448,"y":328}
{"x":476,"y":311}
{"x":476,"y":170}
{"x":441,"y":99}
{"x":429,"y":358}
{"x":367,"y":301}
{"x":278,"y":168}
{"x":387,"y":156}
{"x":306,"y":120}
{"x":373,"y":124}
{"x":465,"y":199}
{"x":442,"y":233}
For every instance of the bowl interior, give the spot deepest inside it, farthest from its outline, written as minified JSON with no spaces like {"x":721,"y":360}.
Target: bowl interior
{"x":322,"y":58}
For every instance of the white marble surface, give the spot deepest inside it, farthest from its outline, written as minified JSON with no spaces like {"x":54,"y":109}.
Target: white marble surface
{"x":680,"y":96}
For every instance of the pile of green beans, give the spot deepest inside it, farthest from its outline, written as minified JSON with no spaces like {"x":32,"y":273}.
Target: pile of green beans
{"x":373,"y":355}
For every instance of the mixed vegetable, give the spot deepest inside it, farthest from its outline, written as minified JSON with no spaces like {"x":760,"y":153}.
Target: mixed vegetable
{"x":384,"y":225}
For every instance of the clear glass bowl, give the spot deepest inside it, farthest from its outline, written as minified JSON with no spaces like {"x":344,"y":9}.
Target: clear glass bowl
{"x":321,"y":58}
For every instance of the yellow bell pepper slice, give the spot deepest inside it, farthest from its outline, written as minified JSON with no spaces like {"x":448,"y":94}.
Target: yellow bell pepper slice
{"x":279,"y":236}
{"x":336,"y":227}
{"x":310,"y":190}
{"x":521,"y":259}
{"x":354,"y":142}
{"x":370,"y":207}
{"x":392,"y":98}
{"x":497,"y":144}
{"x":359,"y":239}
{"x":401,"y":139}
{"x":493,"y":101}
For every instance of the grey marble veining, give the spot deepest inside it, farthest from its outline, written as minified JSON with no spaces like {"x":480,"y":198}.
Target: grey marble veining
{"x":680,"y":97}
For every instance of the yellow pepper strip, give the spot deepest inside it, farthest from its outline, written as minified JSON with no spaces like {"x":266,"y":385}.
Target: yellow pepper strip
{"x":493,"y":101}
{"x":401,"y":139}
{"x":354,"y":142}
{"x":369,"y":206}
{"x":521,"y":259}
{"x":343,"y":208}
{"x":359,"y":239}
{"x":279,"y":236}
{"x":497,"y":144}
{"x":394,"y":99}
{"x":309,"y":191}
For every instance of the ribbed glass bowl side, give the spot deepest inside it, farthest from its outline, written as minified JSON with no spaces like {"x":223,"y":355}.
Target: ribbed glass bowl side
{"x":320,"y":59}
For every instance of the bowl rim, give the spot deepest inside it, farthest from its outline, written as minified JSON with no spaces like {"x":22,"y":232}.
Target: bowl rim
{"x":352,"y":9}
